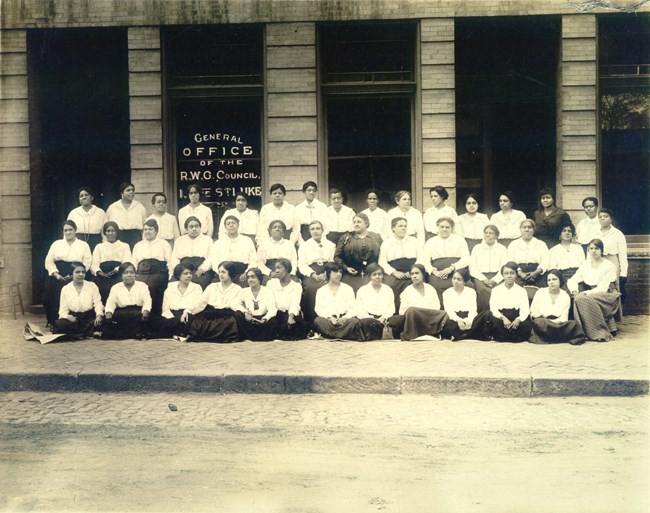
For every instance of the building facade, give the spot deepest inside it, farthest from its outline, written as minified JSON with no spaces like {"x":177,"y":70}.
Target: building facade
{"x":236,"y":95}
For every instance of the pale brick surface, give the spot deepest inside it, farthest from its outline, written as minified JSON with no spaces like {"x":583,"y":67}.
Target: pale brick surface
{"x":13,"y":87}
{"x":291,"y":104}
{"x":14,"y":135}
{"x":147,"y":181}
{"x":14,"y":111}
{"x":14,"y":182}
{"x":292,"y":129}
{"x":293,"y":80}
{"x":579,"y":98}
{"x":579,"y":147}
{"x":439,"y":101}
{"x":442,"y":76}
{"x":18,"y":267}
{"x":146,"y":156}
{"x":579,"y":73}
{"x":281,"y":34}
{"x":437,"y":53}
{"x":145,"y":108}
{"x":13,"y":64}
{"x":292,"y":153}
{"x":438,"y":126}
{"x":438,"y":150}
{"x":14,"y":206}
{"x":144,"y":84}
{"x":578,"y":26}
{"x":14,"y":159}
{"x":16,"y":231}
{"x":437,"y":30}
{"x":13,"y":41}
{"x":579,"y":172}
{"x":438,"y":174}
{"x":297,"y":175}
{"x":144,"y":60}
{"x":280,"y":57}
{"x":579,"y":122}
{"x":146,"y":132}
{"x":573,"y":196}
{"x":143,"y":38}
{"x":578,"y":49}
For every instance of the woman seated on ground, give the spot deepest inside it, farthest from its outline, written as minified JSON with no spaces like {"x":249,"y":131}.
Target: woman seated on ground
{"x":508,"y":220}
{"x":313,"y":254}
{"x":460,"y":304}
{"x":196,"y":209}
{"x":509,"y":308}
{"x":180,"y":296}
{"x":375,"y":304}
{"x":472,"y":223}
{"x":550,"y":314}
{"x":356,"y":250}
{"x":152,"y":257}
{"x":193,"y":249}
{"x":595,"y":298}
{"x":335,"y":307}
{"x":236,"y":249}
{"x":248,"y":218}
{"x":549,"y":218}
{"x":88,"y":218}
{"x":531,"y":256}
{"x":58,"y":264}
{"x":338,"y":217}
{"x":273,"y":248}
{"x":397,"y":255}
{"x":419,"y":316}
{"x":214,"y":312}
{"x":81,"y":309}
{"x":485,"y":265}
{"x":258,"y":320}
{"x":443,"y":254}
{"x":128,"y":307}
{"x":290,"y":324}
{"x":566,"y":256}
{"x":411,"y":214}
{"x":107,"y":257}
{"x":439,"y":209}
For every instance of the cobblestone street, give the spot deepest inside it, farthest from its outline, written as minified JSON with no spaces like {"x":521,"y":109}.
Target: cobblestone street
{"x":322,"y":453}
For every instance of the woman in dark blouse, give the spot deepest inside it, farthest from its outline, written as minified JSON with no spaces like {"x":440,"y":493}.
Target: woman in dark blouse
{"x":549,"y":219}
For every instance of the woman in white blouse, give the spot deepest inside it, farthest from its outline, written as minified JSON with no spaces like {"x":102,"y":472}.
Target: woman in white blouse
{"x":550,"y":314}
{"x":419,"y":316}
{"x":152,"y":257}
{"x":508,"y":219}
{"x":485,"y":265}
{"x":278,"y":209}
{"x":412,"y":215}
{"x":215,"y":309}
{"x":81,"y":309}
{"x":89,"y":218}
{"x":335,"y":307}
{"x":193,"y":249}
{"x":568,"y":255}
{"x":257,"y":319}
{"x":128,"y":307}
{"x":338,"y":217}
{"x":443,"y":254}
{"x":290,"y":322}
{"x":197,"y":209}
{"x":472,"y":223}
{"x":58,"y":264}
{"x":439,"y":209}
{"x":129,"y":214}
{"x":531,"y":256}
{"x":595,"y":298}
{"x":180,"y":296}
{"x":107,"y":257}
{"x":236,"y":249}
{"x":509,"y":308}
{"x":615,"y":247}
{"x":460,"y":304}
{"x":375,"y":304}
{"x":379,"y":220}
{"x":248,"y":218}
{"x":397,"y":255}
{"x":273,"y":248}
{"x":309,"y":210}
{"x":167,"y":223}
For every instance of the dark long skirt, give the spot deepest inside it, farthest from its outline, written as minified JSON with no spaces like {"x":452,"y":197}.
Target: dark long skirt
{"x":371,"y":329}
{"x":214,"y":325}
{"x":335,"y":236}
{"x":531,"y":288}
{"x":255,"y":331}
{"x":91,"y":238}
{"x":163,"y":327}
{"x":548,"y":331}
{"x":596,"y":314}
{"x":480,"y":329}
{"x":471,"y":243}
{"x":206,"y":278}
{"x":402,"y":265}
{"x":357,"y":281}
{"x":131,"y":237}
{"x":417,"y":322}
{"x":126,"y":323}
{"x":155,"y":274}
{"x":82,"y":327}
{"x":308,"y":301}
{"x":438,"y":283}
{"x":483,"y":292}
{"x":53,"y":291}
{"x":296,"y":331}
{"x":502,"y":334}
{"x":350,"y":329}
{"x":104,"y":284}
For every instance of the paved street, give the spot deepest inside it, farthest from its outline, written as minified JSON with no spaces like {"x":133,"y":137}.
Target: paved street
{"x":322,"y":453}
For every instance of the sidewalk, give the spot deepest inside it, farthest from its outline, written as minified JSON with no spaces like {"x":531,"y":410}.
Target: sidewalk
{"x":617,"y":368}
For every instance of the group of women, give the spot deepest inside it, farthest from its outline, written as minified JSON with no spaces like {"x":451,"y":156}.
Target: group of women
{"x":289,"y":272}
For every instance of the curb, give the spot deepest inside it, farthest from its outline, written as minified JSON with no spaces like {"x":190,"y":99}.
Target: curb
{"x":279,"y":384}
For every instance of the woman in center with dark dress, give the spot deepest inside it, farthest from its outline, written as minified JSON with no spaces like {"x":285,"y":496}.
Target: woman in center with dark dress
{"x":420,"y":316}
{"x":151,"y":258}
{"x":356,"y":250}
{"x":549,"y":219}
{"x":509,"y":308}
{"x":214,"y":312}
{"x":257,"y":321}
{"x":193,"y":249}
{"x":107,"y":257}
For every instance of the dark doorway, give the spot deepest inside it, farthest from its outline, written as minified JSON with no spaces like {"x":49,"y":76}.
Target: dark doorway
{"x":506,"y":74}
{"x":79,"y":125}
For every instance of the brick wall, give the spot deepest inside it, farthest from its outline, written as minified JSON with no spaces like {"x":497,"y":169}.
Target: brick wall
{"x":145,"y":109}
{"x":291,"y":108}
{"x":438,"y":118}
{"x":15,"y":208}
